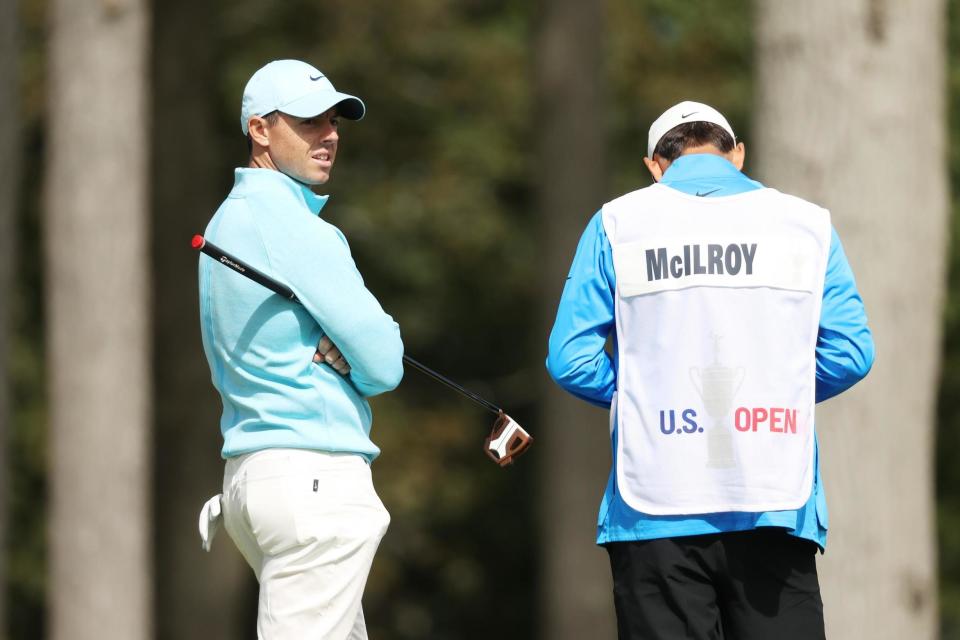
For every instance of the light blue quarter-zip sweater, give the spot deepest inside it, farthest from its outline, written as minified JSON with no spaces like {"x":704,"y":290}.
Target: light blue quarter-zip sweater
{"x":578,"y":362}
{"x":260,"y":346}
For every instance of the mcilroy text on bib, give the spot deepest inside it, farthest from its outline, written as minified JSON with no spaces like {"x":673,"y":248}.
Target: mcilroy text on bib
{"x":717,"y":312}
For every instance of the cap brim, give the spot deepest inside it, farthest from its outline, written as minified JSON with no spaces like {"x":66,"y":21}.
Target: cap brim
{"x":349,"y":107}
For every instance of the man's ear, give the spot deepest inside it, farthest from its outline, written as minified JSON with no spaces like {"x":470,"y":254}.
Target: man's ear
{"x":737,"y":156}
{"x":656,"y":167}
{"x":257,"y":127}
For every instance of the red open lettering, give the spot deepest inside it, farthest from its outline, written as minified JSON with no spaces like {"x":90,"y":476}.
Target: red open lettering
{"x":791,"y":426}
{"x":780,"y":419}
{"x":759,"y":415}
{"x":741,"y":419}
{"x":776,"y":417}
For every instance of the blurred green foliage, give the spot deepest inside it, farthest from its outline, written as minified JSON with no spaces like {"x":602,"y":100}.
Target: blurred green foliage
{"x":434,"y":189}
{"x":948,"y":414}
{"x":26,"y":539}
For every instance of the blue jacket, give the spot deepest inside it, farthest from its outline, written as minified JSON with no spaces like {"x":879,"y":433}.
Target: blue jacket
{"x":578,"y":362}
{"x":260,"y":346}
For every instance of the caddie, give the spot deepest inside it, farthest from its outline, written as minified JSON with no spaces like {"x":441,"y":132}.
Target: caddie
{"x":294,"y":379}
{"x":733,"y":310}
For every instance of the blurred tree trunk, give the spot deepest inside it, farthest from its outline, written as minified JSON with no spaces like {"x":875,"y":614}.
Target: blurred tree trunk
{"x":199,"y":595}
{"x":851,"y":114}
{"x":9,"y":183}
{"x":97,"y":296}
{"x":574,"y":440}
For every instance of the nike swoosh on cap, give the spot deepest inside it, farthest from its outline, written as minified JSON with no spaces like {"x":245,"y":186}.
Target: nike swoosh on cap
{"x":316,"y":78}
{"x":687,"y":115}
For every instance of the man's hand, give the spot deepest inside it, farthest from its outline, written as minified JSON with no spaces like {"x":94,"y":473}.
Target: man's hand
{"x":328,"y":352}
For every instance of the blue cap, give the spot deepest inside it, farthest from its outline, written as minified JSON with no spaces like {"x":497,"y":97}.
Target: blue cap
{"x":295,"y":88}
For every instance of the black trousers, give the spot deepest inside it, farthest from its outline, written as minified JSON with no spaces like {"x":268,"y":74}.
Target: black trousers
{"x":750,"y":585}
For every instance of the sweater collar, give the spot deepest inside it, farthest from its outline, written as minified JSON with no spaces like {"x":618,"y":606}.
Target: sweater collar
{"x":700,"y":165}
{"x":250,"y":178}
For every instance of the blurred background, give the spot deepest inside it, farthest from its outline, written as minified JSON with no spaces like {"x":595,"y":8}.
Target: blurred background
{"x":495,"y":129}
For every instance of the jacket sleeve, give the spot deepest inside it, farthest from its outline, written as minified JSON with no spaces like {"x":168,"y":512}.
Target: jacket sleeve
{"x":845,"y":349}
{"x":318,"y":267}
{"x":577,"y":359}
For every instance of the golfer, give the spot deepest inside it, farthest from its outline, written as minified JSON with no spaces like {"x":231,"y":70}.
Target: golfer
{"x":294,"y":379}
{"x":732,"y":310}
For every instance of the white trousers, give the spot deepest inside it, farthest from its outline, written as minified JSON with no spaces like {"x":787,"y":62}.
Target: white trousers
{"x":309,"y":524}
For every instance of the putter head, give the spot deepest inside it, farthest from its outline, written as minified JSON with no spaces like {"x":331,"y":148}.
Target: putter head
{"x":506,"y":441}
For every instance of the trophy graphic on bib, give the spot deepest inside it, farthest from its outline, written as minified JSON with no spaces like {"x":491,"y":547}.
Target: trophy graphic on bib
{"x":717,"y":385}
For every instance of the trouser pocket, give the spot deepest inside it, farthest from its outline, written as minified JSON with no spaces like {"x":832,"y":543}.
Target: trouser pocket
{"x":338,"y":503}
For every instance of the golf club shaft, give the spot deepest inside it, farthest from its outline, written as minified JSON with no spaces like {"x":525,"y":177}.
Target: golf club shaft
{"x":241,"y":267}
{"x":489,"y":406}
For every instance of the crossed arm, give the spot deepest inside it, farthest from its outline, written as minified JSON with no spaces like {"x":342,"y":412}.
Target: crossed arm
{"x":313,"y":259}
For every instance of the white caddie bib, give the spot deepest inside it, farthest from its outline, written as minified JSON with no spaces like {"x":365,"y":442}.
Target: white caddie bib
{"x":717,"y":313}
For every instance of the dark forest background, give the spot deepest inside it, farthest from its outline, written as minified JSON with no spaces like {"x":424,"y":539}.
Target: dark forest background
{"x":440,"y":191}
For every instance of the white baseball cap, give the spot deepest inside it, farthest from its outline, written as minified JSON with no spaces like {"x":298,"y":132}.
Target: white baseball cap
{"x":295,"y":88}
{"x":682,"y":113}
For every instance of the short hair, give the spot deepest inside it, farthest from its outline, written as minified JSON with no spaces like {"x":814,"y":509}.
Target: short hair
{"x":271,"y":119}
{"x":693,"y":134}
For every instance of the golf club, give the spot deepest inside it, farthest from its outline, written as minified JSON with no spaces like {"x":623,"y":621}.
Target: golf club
{"x":507,"y":439}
